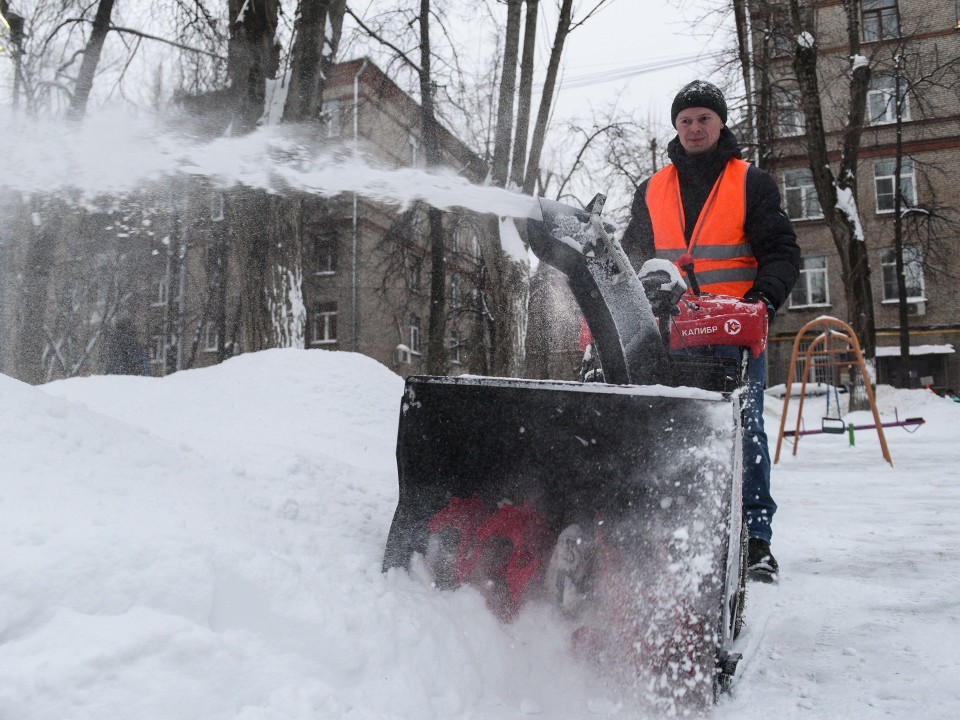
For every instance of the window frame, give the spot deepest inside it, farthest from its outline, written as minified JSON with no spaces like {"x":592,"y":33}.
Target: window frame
{"x":331,"y":116}
{"x":789,"y":107}
{"x":455,"y":343}
{"x":414,"y":273}
{"x":216,"y":206}
{"x":416,"y":157}
{"x":209,"y":346}
{"x":807,"y":192}
{"x":908,"y":184}
{"x":326,"y":250}
{"x":875,"y":21}
{"x":889,"y":100}
{"x":413,"y":325}
{"x":456,"y":291}
{"x":157,"y":350}
{"x":807,"y":280}
{"x":888,"y":274}
{"x":162,"y":295}
{"x":323,"y":323}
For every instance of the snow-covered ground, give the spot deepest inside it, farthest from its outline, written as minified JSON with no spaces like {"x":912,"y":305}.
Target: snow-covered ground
{"x":208,"y":546}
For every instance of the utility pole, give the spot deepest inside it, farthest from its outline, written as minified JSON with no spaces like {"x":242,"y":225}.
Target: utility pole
{"x":898,"y":231}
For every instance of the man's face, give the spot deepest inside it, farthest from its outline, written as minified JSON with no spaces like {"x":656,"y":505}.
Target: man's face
{"x":699,"y":129}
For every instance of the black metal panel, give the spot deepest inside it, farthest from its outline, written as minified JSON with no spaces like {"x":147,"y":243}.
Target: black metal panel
{"x":576,"y":451}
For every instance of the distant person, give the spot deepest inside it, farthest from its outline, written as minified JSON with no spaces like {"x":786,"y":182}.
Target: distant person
{"x":726,"y":213}
{"x":123,"y":353}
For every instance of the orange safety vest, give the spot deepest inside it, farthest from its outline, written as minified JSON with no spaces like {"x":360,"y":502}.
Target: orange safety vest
{"x":723,"y":261}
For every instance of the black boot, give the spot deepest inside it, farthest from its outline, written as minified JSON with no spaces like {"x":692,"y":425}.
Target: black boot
{"x":761,"y":563}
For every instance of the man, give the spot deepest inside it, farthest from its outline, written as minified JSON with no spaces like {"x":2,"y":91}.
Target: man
{"x":726,"y":213}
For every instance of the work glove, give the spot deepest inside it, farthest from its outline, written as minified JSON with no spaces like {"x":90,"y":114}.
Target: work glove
{"x":755,"y":296}
{"x":662,"y":285}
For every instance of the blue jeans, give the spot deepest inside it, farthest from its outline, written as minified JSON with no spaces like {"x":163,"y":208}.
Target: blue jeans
{"x":758,"y":504}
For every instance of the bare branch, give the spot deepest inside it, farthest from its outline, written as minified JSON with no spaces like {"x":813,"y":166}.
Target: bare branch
{"x":173,"y":43}
{"x":383,"y":41}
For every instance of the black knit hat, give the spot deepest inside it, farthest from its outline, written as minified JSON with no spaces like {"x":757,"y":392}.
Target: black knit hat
{"x":699,"y":93}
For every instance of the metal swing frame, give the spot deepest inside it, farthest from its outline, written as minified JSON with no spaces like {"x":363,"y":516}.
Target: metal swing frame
{"x":837,"y":341}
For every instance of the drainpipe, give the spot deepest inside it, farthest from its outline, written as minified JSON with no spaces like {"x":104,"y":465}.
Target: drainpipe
{"x":353,"y":249}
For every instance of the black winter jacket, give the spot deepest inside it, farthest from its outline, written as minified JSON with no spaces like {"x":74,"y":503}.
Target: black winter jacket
{"x":766,"y":226}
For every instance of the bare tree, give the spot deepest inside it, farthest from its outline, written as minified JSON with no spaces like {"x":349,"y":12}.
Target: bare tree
{"x":837,"y":191}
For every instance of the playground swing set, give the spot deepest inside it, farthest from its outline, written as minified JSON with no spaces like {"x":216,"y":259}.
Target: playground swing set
{"x":835,"y":347}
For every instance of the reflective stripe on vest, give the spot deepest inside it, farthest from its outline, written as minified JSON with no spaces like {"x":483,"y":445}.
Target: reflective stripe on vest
{"x":723,"y":261}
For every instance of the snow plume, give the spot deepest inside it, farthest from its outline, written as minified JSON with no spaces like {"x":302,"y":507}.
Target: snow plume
{"x":115,"y":154}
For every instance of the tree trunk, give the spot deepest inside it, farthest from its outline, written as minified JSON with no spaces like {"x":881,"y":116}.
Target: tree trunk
{"x":741,"y":19}
{"x":519,"y":164}
{"x":499,"y":171}
{"x":91,"y":58}
{"x":546,"y":98}
{"x":437,"y":322}
{"x":33,"y":295}
{"x":312,"y":57}
{"x":252,"y":57}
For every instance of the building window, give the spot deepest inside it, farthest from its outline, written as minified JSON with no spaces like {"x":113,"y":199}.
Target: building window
{"x":456,"y":240}
{"x":323,"y":328}
{"x":882,"y":100}
{"x":414,"y":273}
{"x":419,"y":225}
{"x":883,"y":179}
{"x":325,"y":251}
{"x":790,"y":117}
{"x":162,"y":293}
{"x":454,"y":344}
{"x":456,"y":291}
{"x":912,"y":272}
{"x":811,"y":287}
{"x":800,"y":196}
{"x":881,"y":20}
{"x":330,"y":116}
{"x":462,"y":240}
{"x":216,"y":206}
{"x":415,"y":334}
{"x":157,"y":349}
{"x":211,"y":338}
{"x":416,"y":159}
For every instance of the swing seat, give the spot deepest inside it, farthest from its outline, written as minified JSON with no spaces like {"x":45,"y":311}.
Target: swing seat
{"x":833,"y":426}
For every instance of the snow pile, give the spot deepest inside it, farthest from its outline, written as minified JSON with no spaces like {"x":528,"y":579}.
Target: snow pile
{"x":208,"y":545}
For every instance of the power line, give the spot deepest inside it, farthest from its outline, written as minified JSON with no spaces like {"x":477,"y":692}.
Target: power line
{"x":622,"y":73}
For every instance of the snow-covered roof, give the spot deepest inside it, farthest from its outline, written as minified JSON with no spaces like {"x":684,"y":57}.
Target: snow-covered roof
{"x":894,"y":350}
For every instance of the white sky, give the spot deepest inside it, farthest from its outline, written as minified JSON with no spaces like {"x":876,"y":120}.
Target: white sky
{"x":630,"y":35}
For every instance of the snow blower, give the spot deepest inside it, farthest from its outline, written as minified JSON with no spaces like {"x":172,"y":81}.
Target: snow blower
{"x":619,"y":502}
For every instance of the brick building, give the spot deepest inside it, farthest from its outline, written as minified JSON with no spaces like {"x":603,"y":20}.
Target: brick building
{"x":925,"y":34}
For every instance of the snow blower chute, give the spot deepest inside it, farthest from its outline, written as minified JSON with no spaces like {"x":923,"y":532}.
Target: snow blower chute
{"x":618,"y":502}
